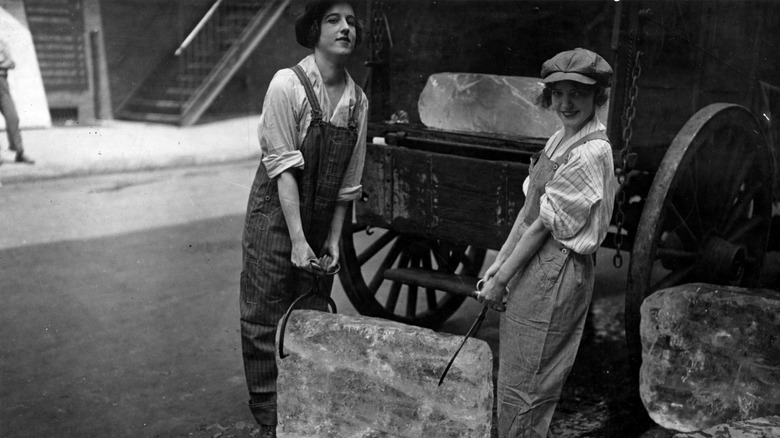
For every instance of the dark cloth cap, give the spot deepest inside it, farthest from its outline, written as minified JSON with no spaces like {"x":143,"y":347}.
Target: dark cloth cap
{"x":579,"y":65}
{"x":313,"y":11}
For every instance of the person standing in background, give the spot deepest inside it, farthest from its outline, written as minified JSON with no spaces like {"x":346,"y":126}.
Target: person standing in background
{"x":8,"y":108}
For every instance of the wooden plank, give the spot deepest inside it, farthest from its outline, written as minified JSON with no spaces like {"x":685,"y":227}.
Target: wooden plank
{"x":375,"y":205}
{"x":458,"y":199}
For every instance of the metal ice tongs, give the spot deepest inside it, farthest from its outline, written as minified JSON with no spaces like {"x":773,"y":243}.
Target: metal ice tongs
{"x":320,"y":272}
{"x":474,"y":327}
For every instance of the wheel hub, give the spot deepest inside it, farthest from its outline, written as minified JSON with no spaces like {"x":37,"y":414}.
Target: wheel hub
{"x":720,"y":260}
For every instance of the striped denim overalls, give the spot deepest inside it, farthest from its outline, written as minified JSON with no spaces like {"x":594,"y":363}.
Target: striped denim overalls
{"x":541,"y":329}
{"x":269,"y":281}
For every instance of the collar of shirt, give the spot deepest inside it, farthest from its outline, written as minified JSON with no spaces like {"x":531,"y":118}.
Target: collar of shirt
{"x":557,"y":150}
{"x":338,"y":114}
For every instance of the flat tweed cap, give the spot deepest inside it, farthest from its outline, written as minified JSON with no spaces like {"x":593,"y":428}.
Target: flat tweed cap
{"x":579,"y":65}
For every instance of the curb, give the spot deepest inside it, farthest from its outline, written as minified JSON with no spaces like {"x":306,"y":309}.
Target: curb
{"x":57,"y":172}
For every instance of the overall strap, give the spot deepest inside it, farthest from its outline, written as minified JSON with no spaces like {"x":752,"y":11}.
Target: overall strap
{"x":596,"y":135}
{"x":316,"y":112}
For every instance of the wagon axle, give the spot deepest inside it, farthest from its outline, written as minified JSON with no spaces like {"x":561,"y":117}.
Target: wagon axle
{"x":721,"y":261}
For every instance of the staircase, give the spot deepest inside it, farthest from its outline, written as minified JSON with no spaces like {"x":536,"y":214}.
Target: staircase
{"x":182,"y":86}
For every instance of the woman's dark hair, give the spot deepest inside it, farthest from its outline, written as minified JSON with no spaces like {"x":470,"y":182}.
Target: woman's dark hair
{"x":600,"y":94}
{"x":314,"y":30}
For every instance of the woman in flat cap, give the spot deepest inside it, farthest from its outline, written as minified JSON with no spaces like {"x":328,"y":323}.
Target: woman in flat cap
{"x":545,"y":269}
{"x":313,"y":137}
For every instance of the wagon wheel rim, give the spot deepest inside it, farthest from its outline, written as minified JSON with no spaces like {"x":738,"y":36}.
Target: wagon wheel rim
{"x":373,"y":295}
{"x":707,"y":215}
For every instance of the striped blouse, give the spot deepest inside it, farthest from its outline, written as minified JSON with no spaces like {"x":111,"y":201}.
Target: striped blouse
{"x":577,"y":202}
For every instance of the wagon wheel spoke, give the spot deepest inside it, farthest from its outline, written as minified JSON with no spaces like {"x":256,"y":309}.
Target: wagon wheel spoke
{"x":411,"y":302}
{"x":357,"y":228}
{"x":686,"y":198}
{"x":376,"y":246}
{"x":745,"y":229}
{"x":387,"y":263}
{"x":457,"y":256}
{"x":411,"y":295}
{"x":442,"y":255}
{"x":726,"y":159}
{"x":684,"y":223}
{"x":469,"y":258}
{"x":739,"y":163}
{"x":430,"y":293}
{"x":741,"y":208}
{"x":738,"y":182}
{"x":393,"y":295}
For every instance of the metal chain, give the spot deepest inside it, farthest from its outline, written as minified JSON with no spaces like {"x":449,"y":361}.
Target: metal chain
{"x":377,"y":29}
{"x":628,"y":118}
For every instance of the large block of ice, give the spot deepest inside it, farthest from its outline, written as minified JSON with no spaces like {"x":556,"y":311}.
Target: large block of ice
{"x":710,"y":355}
{"x":355,"y":376}
{"x":490,"y":104}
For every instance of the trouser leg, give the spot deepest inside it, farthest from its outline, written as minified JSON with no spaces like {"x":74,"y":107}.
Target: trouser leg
{"x":260,"y":316}
{"x":262,"y":306}
{"x":8,"y":109}
{"x":540,"y":335}
{"x":257,"y":342}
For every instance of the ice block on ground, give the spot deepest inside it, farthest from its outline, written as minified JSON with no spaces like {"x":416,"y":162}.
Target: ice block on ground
{"x":352,"y":376}
{"x":710,"y":355}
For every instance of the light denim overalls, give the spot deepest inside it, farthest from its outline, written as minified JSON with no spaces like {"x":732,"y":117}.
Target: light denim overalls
{"x":545,"y":314}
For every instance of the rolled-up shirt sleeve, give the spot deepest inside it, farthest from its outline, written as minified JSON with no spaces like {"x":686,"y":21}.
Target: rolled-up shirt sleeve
{"x":350,"y":184}
{"x":278,"y":129}
{"x":569,"y":197}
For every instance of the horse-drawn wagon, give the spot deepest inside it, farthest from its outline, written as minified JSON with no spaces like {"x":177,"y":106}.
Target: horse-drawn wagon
{"x":689,"y":118}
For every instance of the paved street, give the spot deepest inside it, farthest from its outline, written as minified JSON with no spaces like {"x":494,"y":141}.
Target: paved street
{"x":119,"y":312}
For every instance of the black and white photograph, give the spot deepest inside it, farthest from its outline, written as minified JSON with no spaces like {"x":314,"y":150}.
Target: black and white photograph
{"x":390,"y":218}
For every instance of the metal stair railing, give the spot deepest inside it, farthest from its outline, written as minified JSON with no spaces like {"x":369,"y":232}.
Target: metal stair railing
{"x":217,"y":47}
{"x":207,"y":42}
{"x":201,"y":24}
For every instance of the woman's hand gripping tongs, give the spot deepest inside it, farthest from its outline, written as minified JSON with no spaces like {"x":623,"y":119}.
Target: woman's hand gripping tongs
{"x":475,"y":326}
{"x":320,"y":271}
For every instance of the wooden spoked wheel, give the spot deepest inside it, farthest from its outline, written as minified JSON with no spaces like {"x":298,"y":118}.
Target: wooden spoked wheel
{"x":708,"y":212}
{"x":362,"y":275}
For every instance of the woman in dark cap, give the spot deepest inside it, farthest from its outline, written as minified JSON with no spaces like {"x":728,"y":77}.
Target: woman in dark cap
{"x":313,"y":137}
{"x":545,"y":269}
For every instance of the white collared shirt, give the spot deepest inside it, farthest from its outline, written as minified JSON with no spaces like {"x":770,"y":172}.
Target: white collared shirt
{"x":577,"y":202}
{"x":286,"y":117}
